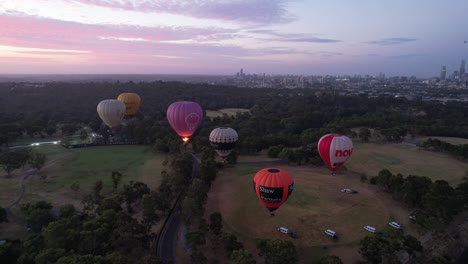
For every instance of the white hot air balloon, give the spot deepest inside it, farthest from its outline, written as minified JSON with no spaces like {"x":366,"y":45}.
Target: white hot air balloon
{"x":111,"y":112}
{"x":223,"y":140}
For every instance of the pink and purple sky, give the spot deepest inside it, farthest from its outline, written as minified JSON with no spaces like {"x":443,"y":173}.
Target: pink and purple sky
{"x":311,"y":37}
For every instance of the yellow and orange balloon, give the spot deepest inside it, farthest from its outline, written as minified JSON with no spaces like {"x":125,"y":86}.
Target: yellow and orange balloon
{"x":132,"y":102}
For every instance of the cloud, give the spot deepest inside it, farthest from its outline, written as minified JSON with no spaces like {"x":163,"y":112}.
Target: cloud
{"x":329,"y":54}
{"x":406,"y":56}
{"x":246,"y":11}
{"x":391,"y":41}
{"x":272,"y":35}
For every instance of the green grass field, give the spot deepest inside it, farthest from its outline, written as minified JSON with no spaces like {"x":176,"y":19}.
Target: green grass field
{"x":228,"y":111}
{"x":370,"y":158}
{"x":83,"y":166}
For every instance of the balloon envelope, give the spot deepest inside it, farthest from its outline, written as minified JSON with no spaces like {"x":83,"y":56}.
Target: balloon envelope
{"x":273,"y":187}
{"x":132,"y":102}
{"x":111,"y":112}
{"x":223,"y":140}
{"x":335,"y":149}
{"x":184,"y":117}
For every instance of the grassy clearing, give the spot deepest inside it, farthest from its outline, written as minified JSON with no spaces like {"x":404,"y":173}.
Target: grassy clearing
{"x":228,"y":111}
{"x":83,"y":166}
{"x":87,"y":165}
{"x":315,"y":205}
{"x":370,"y":158}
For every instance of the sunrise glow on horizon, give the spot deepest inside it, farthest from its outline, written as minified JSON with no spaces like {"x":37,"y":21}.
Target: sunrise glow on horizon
{"x":220,"y":37}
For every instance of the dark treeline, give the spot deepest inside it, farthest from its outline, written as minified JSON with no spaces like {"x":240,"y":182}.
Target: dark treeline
{"x":434,"y":203}
{"x":459,"y":151}
{"x":289,"y":117}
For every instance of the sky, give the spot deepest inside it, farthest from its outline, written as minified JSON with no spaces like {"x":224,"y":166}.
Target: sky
{"x":302,"y":37}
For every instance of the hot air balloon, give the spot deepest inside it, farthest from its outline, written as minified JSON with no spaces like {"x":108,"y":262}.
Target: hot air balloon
{"x":335,"y":149}
{"x":184,"y":117}
{"x":111,"y":112}
{"x":132,"y":102}
{"x":223,"y":140}
{"x":273,"y":187}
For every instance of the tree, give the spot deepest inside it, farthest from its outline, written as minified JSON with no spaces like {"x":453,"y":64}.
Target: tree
{"x":67,"y":210}
{"x":150,"y":216}
{"x":198,"y":257}
{"x":216,"y":222}
{"x":10,"y":161}
{"x":116,"y":177}
{"x":230,"y":243}
{"x":364,"y":134}
{"x":242,"y":256}
{"x":10,"y":251}
{"x":330,"y":259}
{"x":376,"y":249}
{"x":97,"y":188}
{"x":37,"y":160}
{"x":412,"y":244}
{"x":50,"y":255}
{"x":278,"y":251}
{"x":37,"y":215}
{"x":3,"y":215}
{"x":132,"y":192}
{"x":83,"y":134}
{"x":195,"y":238}
{"x":75,"y":187}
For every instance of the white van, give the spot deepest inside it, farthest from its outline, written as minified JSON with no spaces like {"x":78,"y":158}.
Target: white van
{"x":346,"y":190}
{"x":283,"y":230}
{"x":370,"y":229}
{"x":330,"y":233}
{"x":394,"y":225}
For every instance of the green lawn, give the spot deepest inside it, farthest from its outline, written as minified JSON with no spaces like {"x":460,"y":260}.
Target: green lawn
{"x":370,"y":158}
{"x":83,"y":166}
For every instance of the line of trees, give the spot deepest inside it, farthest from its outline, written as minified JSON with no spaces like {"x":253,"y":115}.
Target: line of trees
{"x":435,"y":203}
{"x":459,"y":151}
{"x":13,"y":160}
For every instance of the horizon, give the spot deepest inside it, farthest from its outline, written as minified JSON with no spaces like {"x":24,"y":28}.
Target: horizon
{"x":275,"y":37}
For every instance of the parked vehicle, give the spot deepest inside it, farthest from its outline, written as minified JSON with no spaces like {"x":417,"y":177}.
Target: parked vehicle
{"x":283,"y":230}
{"x":331,"y":233}
{"x":370,"y":229}
{"x":394,"y":225}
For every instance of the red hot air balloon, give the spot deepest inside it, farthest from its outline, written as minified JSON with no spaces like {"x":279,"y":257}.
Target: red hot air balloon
{"x":184,"y":117}
{"x":273,"y":187}
{"x":335,"y":149}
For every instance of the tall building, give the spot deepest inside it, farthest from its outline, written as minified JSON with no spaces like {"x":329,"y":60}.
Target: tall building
{"x":443,"y":73}
{"x":462,"y":68}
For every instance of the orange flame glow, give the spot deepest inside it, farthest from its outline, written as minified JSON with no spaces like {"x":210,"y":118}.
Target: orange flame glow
{"x":185,"y":139}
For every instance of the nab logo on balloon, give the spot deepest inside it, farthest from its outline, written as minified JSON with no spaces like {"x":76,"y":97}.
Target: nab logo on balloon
{"x":343,"y":153}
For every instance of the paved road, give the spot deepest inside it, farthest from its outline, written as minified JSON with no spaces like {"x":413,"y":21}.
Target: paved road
{"x":168,"y":235}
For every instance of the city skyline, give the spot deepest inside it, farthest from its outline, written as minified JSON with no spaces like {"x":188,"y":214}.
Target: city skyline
{"x":220,"y":37}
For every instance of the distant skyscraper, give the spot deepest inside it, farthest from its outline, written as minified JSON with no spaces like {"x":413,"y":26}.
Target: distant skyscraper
{"x":462,"y":68}
{"x":443,"y":73}
{"x":242,"y":72}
